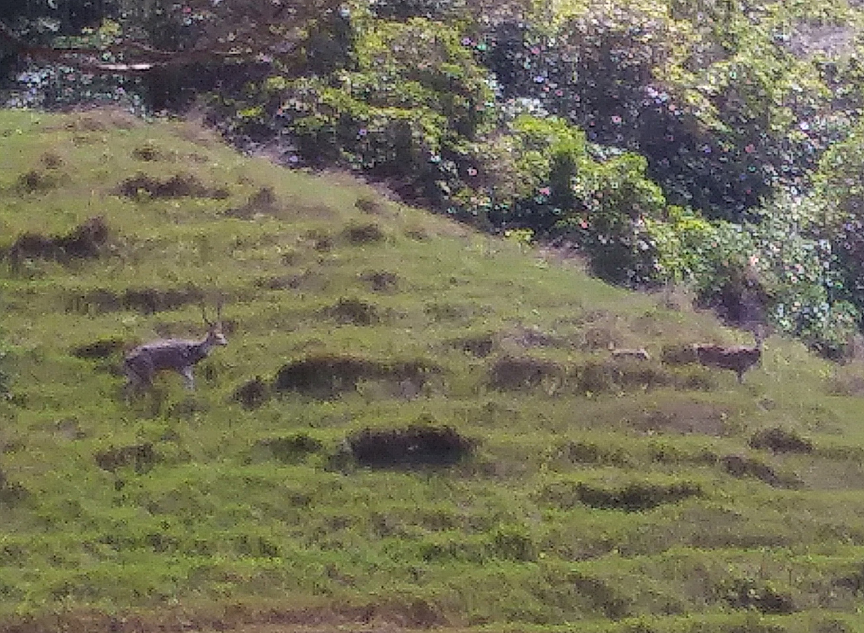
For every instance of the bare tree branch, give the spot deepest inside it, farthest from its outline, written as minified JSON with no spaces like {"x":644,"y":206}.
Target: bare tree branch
{"x":236,"y":31}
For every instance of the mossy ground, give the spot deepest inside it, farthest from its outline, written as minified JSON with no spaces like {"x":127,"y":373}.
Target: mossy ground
{"x":606,"y":495}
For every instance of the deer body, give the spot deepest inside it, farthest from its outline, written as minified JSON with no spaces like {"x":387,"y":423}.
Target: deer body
{"x":179,"y":355}
{"x":640,"y":353}
{"x":738,"y":358}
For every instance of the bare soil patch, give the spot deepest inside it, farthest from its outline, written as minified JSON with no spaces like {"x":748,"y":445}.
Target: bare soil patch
{"x":262,"y":202}
{"x":86,"y":241}
{"x":144,"y":300}
{"x":511,"y":373}
{"x":99,"y":349}
{"x":630,"y":497}
{"x":180,"y":185}
{"x":353,"y":311}
{"x":328,"y":376}
{"x":141,"y":457}
{"x":779,"y":440}
{"x":381,"y":281}
{"x":415,"y":445}
{"x":741,"y":466}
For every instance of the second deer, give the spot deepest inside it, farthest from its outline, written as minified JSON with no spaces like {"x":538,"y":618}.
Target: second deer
{"x":738,"y":358}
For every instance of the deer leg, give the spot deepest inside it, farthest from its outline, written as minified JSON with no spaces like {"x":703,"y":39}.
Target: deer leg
{"x":139,"y":376}
{"x":186,"y":372}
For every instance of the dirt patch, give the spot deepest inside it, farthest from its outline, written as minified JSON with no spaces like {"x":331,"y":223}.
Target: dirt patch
{"x":141,"y":457}
{"x":370,"y":205}
{"x":307,"y":280}
{"x":381,"y":281}
{"x":10,"y":492}
{"x":149,"y":153}
{"x":38,"y":181}
{"x":144,"y":300}
{"x":252,"y":394}
{"x":99,"y":349}
{"x":320,"y":240}
{"x":182,"y":185}
{"x":779,"y":440}
{"x":480,"y":345}
{"x":749,"y":594}
{"x":416,"y":445}
{"x":288,"y":449}
{"x":50,"y":160}
{"x":740,"y":466}
{"x":511,"y":373}
{"x":578,"y":452}
{"x":353,"y":312}
{"x":438,"y":312}
{"x":630,"y":497}
{"x":262,"y":202}
{"x":85,"y":241}
{"x":358,"y":234}
{"x":328,"y":376}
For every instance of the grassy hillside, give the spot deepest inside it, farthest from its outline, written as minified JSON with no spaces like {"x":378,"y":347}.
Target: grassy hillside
{"x":413,"y":424}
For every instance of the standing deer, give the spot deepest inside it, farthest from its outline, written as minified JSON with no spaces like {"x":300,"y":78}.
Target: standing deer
{"x":622,"y":352}
{"x":738,"y":358}
{"x":172,"y":354}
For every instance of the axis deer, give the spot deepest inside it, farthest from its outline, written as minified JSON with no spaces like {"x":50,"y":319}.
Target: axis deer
{"x":738,"y":358}
{"x":622,"y":352}
{"x":179,"y":355}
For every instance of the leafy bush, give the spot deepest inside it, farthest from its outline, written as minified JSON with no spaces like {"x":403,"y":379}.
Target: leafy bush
{"x":400,"y":111}
{"x":838,"y":185}
{"x":545,"y":177}
{"x":723,"y":109}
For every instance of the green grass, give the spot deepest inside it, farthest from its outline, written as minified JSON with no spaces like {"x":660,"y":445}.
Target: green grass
{"x":608,"y":497}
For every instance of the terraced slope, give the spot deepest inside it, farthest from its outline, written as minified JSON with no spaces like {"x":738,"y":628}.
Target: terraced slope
{"x":413,"y":424}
